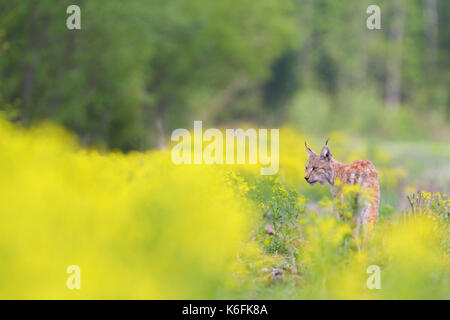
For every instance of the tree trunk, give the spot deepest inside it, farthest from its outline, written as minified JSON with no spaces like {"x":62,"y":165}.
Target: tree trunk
{"x":159,"y":126}
{"x":28,"y":71}
{"x":394,"y":59}
{"x":431,"y":35}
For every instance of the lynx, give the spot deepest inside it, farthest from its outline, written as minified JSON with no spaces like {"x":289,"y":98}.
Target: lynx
{"x":326,"y":170}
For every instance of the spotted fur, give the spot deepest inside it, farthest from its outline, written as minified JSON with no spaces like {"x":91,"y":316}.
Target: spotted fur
{"x":324,"y":169}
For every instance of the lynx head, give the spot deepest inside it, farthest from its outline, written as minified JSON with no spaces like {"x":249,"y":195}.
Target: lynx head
{"x":319,"y":168}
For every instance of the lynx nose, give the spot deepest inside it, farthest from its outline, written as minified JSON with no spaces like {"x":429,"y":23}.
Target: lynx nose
{"x":307,"y":179}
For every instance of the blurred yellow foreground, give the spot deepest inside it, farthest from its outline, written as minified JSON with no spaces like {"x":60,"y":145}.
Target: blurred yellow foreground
{"x":140,"y":227}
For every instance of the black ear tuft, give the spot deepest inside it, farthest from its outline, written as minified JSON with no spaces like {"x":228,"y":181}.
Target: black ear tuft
{"x":308,"y":150}
{"x":325,"y":154}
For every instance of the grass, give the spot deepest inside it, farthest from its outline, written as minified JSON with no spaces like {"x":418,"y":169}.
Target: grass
{"x":140,"y":227}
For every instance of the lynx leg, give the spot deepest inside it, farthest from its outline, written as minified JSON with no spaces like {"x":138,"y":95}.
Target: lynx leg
{"x":370,"y":212}
{"x":369,"y":218}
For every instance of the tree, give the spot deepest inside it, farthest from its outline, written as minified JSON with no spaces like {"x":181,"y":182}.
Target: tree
{"x":133,"y":72}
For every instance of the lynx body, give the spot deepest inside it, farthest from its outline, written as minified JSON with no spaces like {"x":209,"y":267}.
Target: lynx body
{"x":324,"y":169}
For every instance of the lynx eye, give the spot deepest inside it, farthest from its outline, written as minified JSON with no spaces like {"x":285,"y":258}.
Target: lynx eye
{"x":314,"y":168}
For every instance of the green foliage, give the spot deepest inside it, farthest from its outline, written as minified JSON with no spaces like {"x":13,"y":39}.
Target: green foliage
{"x":411,"y":252}
{"x":136,"y":72}
{"x":281,"y":208}
{"x":156,"y":230}
{"x":323,"y":251}
{"x":424,"y":202}
{"x":300,"y":111}
{"x":133,"y":72}
{"x":386,"y":211}
{"x":349,"y":204}
{"x":436,"y":207}
{"x":330,"y":261}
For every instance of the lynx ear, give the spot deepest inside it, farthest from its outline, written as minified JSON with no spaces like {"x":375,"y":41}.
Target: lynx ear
{"x":308,"y":150}
{"x":325,"y":154}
